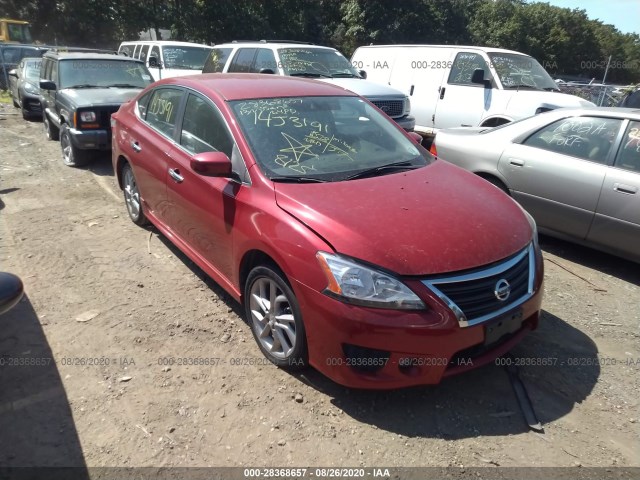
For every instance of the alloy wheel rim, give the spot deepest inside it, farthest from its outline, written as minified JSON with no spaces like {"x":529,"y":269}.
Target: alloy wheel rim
{"x":131,"y":194}
{"x":272,"y":318}
{"x":66,"y":149}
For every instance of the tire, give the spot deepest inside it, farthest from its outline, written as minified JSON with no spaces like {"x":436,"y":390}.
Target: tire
{"x":71,"y":156}
{"x":50,"y":130}
{"x":25,"y":114}
{"x":497,"y":183}
{"x":278,"y":331}
{"x":132,"y":197}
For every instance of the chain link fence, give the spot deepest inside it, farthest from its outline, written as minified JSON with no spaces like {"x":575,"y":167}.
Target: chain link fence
{"x":601,"y":95}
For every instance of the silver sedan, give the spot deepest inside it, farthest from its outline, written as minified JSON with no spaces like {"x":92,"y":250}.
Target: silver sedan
{"x":577,"y":171}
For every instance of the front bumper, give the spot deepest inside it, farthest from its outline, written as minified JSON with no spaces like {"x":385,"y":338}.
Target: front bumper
{"x":407,"y":122}
{"x":91,"y":139}
{"x":373,"y":348}
{"x":30,"y":103}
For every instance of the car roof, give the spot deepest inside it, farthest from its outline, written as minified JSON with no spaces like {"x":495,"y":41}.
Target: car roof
{"x":463,"y":47}
{"x":265,"y":44}
{"x":165,"y":43}
{"x":89,"y":56}
{"x":240,"y":86}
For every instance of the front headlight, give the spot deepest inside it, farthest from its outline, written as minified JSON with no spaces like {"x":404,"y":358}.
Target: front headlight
{"x":30,"y":88}
{"x":88,"y":116}
{"x":354,"y":283}
{"x":407,"y":106}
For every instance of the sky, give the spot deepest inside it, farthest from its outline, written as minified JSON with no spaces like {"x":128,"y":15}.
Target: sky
{"x":622,"y":14}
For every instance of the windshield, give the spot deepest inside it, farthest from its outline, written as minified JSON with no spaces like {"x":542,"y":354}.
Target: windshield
{"x":32,"y":70}
{"x":103,"y":73}
{"x":185,"y":58}
{"x":323,"y":138}
{"x":315,"y":62}
{"x":521,"y":71}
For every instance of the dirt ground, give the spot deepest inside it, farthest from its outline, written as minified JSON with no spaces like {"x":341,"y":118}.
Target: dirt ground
{"x":85,"y":380}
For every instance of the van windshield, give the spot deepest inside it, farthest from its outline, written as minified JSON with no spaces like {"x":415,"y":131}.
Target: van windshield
{"x":320,"y":62}
{"x":185,"y":58}
{"x":521,"y":71}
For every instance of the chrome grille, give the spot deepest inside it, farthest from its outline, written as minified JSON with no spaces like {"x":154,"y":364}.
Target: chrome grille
{"x":393,"y":108}
{"x":472,"y":296}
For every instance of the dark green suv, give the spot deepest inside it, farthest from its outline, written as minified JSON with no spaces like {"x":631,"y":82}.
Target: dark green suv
{"x":79,"y":92}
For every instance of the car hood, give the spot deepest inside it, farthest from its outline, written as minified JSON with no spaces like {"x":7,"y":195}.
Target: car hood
{"x":363,"y":87}
{"x":435,"y":219}
{"x":523,"y":103}
{"x":100,"y":96}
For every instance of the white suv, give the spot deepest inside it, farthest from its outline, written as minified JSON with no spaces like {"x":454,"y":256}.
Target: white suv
{"x":310,"y":61}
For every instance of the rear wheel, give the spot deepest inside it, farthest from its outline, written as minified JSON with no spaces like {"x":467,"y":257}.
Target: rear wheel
{"x":71,"y":155}
{"x":50,"y":130}
{"x":497,"y":183}
{"x":273,"y":312}
{"x":132,"y":196}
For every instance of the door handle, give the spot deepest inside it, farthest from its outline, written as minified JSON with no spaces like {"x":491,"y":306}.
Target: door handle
{"x":622,"y":188}
{"x":411,"y":90}
{"x":517,"y":162}
{"x":136,"y":146}
{"x":175,"y":174}
{"x":442,"y":89}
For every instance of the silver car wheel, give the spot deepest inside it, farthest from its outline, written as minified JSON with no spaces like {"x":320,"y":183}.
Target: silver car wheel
{"x":131,"y":194}
{"x":272,"y":317}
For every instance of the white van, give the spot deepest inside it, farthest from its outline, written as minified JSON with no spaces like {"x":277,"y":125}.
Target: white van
{"x":460,"y":86}
{"x":166,"y":58}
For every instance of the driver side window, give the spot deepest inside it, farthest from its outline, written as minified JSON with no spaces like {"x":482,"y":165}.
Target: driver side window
{"x":464,"y":66}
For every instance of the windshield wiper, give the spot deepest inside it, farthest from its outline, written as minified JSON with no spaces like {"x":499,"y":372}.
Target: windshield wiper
{"x":292,"y":179}
{"x":124,"y":85}
{"x":85,"y":85}
{"x":309,"y":74}
{"x":371,"y":172}
{"x":345,"y":75}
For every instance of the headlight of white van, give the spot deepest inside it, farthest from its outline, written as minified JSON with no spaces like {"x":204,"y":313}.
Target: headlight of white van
{"x":354,"y":283}
{"x":407,"y":106}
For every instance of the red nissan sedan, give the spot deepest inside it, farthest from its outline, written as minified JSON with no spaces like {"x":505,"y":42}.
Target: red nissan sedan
{"x":351,"y":248}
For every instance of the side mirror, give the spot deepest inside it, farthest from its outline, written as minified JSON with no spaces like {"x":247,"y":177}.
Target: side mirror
{"x":363,"y":74}
{"x":266,"y":70}
{"x":153,"y":62}
{"x":47,"y":85}
{"x":11,"y":290}
{"x":478,"y":77}
{"x":416,"y":137}
{"x":13,"y":73}
{"x":212,"y":164}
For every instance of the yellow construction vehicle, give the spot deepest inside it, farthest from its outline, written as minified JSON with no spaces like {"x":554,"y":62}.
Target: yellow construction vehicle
{"x":14,"y":31}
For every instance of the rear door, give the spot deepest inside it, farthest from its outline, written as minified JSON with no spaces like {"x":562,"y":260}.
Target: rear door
{"x":617,"y":221}
{"x":151,"y":144}
{"x":557,"y":173}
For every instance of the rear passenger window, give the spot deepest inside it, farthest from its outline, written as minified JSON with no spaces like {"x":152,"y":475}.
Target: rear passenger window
{"x":265,"y":59}
{"x":162,"y":110}
{"x":464,"y":66}
{"x":243,"y":60}
{"x":216,"y":60}
{"x":144,"y":52}
{"x":629,"y":154}
{"x":588,"y":138}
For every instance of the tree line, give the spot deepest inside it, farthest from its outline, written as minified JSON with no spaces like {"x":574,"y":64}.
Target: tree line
{"x":564,"y":41}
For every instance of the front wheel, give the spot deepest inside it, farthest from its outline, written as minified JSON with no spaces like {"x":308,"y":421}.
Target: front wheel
{"x":132,"y":196}
{"x":273,"y":312}
{"x":71,"y":155}
{"x":50,"y":130}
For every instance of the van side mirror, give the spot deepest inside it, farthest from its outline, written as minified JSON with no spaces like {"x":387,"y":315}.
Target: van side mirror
{"x":363,"y":74}
{"x":154,"y":62}
{"x":47,"y":85}
{"x":478,"y":77}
